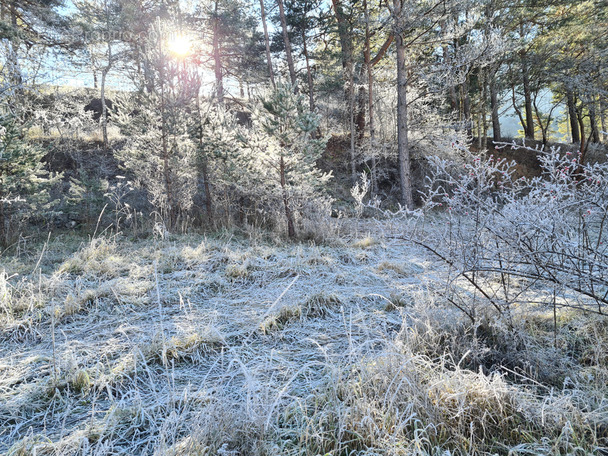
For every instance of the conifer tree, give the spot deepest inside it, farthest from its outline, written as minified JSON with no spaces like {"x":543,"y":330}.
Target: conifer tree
{"x":161,"y":148}
{"x":235,"y":47}
{"x":24,"y":183}
{"x":284,"y":153}
{"x":218,"y":157}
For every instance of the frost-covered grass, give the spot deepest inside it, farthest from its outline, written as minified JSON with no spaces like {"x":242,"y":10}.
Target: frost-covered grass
{"x":225,"y":346}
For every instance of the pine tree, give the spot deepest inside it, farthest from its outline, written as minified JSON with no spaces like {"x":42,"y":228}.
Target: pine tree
{"x":161,"y":154}
{"x":24,"y":183}
{"x":283,"y":154}
{"x":158,"y":123}
{"x":24,"y":24}
{"x":218,"y":157}
{"x":236,"y":48}
{"x":85,"y":197}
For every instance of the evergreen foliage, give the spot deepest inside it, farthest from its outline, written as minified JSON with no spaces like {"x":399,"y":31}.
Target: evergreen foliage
{"x":284,"y":153}
{"x":24,"y":182}
{"x":86,"y":197}
{"x":161,"y":154}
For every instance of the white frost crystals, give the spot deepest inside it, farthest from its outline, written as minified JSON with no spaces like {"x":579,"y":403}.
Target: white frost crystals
{"x":548,"y":230}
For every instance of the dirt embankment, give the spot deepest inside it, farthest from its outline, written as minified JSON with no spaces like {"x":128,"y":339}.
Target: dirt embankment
{"x":527,"y":161}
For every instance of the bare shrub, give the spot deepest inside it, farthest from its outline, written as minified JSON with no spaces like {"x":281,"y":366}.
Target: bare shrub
{"x":505,"y":239}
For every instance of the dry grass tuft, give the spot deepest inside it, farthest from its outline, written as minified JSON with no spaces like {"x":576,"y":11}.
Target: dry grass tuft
{"x":81,"y":381}
{"x":320,"y":305}
{"x":317,"y":305}
{"x":397,"y":301}
{"x":99,"y":258}
{"x":388,"y":266}
{"x":74,"y":304}
{"x":365,"y":243}
{"x":187,"y":346}
{"x":237,"y":271}
{"x":286,"y":315}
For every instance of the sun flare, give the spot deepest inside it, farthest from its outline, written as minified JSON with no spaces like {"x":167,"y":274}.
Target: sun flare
{"x":180,"y":45}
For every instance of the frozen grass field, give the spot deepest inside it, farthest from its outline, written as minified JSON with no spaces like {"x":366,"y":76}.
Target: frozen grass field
{"x":222,"y":345}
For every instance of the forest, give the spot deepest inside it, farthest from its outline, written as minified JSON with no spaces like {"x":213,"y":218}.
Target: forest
{"x":303,"y":227}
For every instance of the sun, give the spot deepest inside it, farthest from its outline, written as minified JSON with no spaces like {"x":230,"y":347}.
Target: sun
{"x":180,"y":45}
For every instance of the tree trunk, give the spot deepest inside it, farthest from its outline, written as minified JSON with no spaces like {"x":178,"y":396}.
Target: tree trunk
{"x":291,"y":228}
{"x":544,"y":128}
{"x":292,"y":70}
{"x":267,"y":43}
{"x":345,"y":40}
{"x":481,"y":115}
{"x":581,"y":124}
{"x":14,"y":67}
{"x":603,"y":120}
{"x":219,"y":77}
{"x":446,"y":59}
{"x":496,"y":134}
{"x":171,"y":215}
{"x":595,"y":133}
{"x":204,"y":170}
{"x":370,"y":101}
{"x":529,"y":126}
{"x":3,"y":221}
{"x":455,"y":102}
{"x":104,"y":75}
{"x":149,"y":77}
{"x":466,"y":106}
{"x":351,"y":124}
{"x":208,"y":200}
{"x":576,"y":137}
{"x":516,"y":109}
{"x":311,"y":97}
{"x":405,"y":176}
{"x":360,"y":119}
{"x":104,"y":108}
{"x":348,"y":69}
